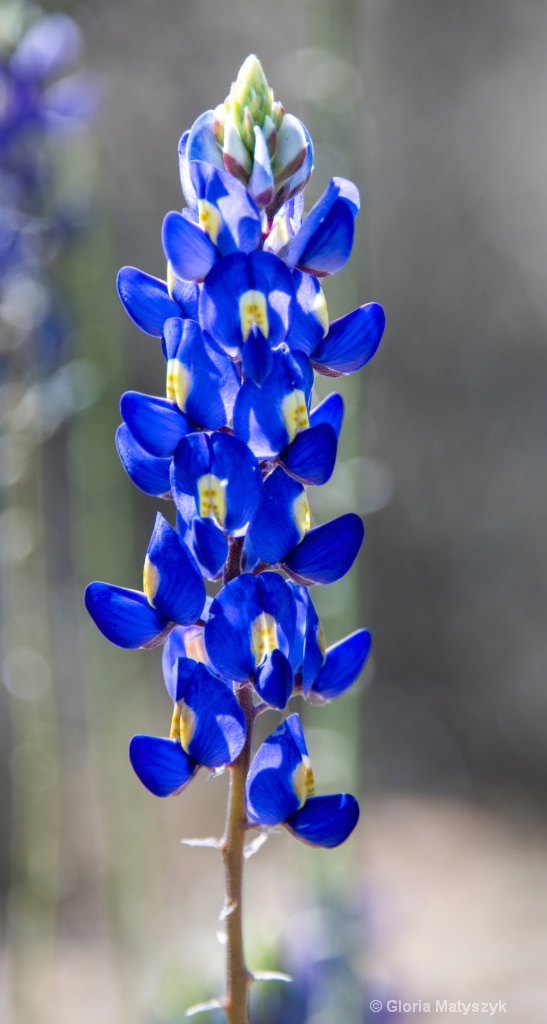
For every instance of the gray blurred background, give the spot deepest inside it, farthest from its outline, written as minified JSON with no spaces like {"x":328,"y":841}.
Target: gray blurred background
{"x":437,"y":109}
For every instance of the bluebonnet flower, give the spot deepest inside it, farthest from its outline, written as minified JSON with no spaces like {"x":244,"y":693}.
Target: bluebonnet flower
{"x":173,"y":594}
{"x":280,"y":790}
{"x":234,"y":443}
{"x":208,"y":729}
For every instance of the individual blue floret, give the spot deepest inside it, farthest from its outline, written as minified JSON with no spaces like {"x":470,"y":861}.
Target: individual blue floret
{"x":280,"y":790}
{"x":174,"y":594}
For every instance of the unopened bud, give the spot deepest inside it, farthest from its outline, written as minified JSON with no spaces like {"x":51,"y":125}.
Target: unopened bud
{"x":291,"y":147}
{"x":250,"y":100}
{"x":237,"y":158}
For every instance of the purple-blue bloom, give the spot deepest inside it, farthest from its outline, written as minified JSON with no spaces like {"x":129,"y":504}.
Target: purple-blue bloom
{"x":233,"y":444}
{"x":280,"y":790}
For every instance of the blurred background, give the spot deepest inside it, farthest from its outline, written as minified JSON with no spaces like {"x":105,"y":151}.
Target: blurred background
{"x":437,"y":111}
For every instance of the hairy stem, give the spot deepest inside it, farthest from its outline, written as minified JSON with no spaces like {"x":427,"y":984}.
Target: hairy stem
{"x":238,"y":976}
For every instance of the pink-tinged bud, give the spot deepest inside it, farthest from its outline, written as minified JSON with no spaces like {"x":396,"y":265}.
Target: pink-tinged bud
{"x":278,"y":113}
{"x":291,"y":148}
{"x":261,"y":182}
{"x":237,"y":159}
{"x":270,"y":134}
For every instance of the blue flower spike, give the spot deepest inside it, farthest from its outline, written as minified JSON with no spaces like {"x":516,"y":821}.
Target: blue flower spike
{"x":280,"y":790}
{"x":234,"y":443}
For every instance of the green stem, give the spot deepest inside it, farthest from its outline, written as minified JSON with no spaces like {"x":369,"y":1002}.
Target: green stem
{"x":238,"y":978}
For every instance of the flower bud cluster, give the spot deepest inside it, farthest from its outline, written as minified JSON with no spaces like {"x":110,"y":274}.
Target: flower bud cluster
{"x":233,"y":445}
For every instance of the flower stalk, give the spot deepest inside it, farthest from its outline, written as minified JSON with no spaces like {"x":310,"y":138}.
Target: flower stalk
{"x":238,"y":977}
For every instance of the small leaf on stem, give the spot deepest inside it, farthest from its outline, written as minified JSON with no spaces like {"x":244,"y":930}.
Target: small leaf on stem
{"x":227,"y":909}
{"x":213,"y":1004}
{"x":211,"y":842}
{"x":271,"y":976}
{"x":254,"y":845}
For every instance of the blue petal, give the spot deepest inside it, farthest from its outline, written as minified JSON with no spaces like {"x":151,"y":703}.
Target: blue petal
{"x":331,"y":411}
{"x":323,"y":243}
{"x":146,"y":299}
{"x":156,"y":424}
{"x":219,"y":721}
{"x":228,"y":632}
{"x":249,"y":557}
{"x":192,"y":461}
{"x":274,"y":529}
{"x":182,"y":642}
{"x":325,"y":820}
{"x":330,"y":247}
{"x":202,"y":144}
{"x":259,"y":418}
{"x":228,"y":281}
{"x":148,"y":473}
{"x":351,"y":342}
{"x":306,"y":655}
{"x":269,"y":793}
{"x":228,"y":459}
{"x":213,"y":381}
{"x":261,"y":182}
{"x":327,"y":552}
{"x":274,"y":680}
{"x":344,"y":661}
{"x":161,"y":764}
{"x":189,"y":250}
{"x":307,"y":329}
{"x":228,"y":629}
{"x":173,"y":648}
{"x":174,"y":583}
{"x":233,"y":462}
{"x":209,"y":546}
{"x":257,"y":360}
{"x":186,"y":295}
{"x":188,"y":189}
{"x":312,"y":455}
{"x":277,"y":599}
{"x":240,"y":226}
{"x":125,"y":617}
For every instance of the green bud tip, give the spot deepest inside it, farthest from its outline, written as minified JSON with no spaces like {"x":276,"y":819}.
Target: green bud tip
{"x":250,"y":101}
